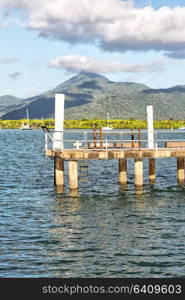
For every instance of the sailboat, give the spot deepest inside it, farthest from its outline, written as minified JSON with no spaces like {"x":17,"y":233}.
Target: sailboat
{"x":181,"y":128}
{"x":26,"y":126}
{"x":107,"y":128}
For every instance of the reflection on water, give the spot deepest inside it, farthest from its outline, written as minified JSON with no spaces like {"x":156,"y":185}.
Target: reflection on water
{"x":59,"y":189}
{"x":103,"y":230}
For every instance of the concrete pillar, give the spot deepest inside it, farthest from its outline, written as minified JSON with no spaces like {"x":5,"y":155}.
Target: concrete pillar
{"x":150,"y":127}
{"x":180,"y":168}
{"x":151,"y":162}
{"x":59,"y":171}
{"x":122,"y":171}
{"x":138,"y":172}
{"x":59,"y":122}
{"x":73,"y":175}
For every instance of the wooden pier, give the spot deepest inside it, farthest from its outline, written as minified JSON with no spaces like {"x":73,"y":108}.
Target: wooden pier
{"x":74,"y":156}
{"x":101,"y":147}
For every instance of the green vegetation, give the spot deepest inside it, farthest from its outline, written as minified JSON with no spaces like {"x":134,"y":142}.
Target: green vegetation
{"x":89,"y":124}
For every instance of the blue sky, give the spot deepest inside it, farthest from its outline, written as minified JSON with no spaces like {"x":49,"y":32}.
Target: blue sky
{"x":43,"y":43}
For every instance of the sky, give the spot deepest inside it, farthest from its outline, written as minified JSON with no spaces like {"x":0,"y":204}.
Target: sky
{"x":45,"y":42}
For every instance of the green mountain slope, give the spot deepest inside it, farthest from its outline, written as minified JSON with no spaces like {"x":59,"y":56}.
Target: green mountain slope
{"x":90,"y":95}
{"x":7,"y":103}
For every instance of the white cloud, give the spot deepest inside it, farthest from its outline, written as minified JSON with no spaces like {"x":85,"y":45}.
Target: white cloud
{"x":113,"y":25}
{"x":76,"y":63}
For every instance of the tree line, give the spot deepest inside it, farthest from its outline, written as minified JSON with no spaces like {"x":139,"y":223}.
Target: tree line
{"x":89,"y":124}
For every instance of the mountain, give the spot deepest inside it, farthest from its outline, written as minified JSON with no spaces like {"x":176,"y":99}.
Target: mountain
{"x":8,"y":101}
{"x":90,"y":95}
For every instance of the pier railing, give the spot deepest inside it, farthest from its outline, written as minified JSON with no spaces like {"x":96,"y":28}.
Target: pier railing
{"x":113,"y":139}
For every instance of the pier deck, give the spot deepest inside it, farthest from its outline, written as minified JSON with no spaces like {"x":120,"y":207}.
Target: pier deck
{"x":75,"y":154}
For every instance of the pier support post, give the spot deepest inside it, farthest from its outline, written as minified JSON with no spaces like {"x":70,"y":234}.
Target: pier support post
{"x":73,"y":175}
{"x":122,"y":171}
{"x":139,"y":172}
{"x":59,"y":171}
{"x":180,"y":169}
{"x":151,"y":163}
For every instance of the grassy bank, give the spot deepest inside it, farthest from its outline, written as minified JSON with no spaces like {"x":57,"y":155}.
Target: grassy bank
{"x":88,"y":124}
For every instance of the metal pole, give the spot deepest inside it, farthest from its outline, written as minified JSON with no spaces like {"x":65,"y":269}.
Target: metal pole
{"x":132,"y":138}
{"x":94,"y":136}
{"x":139,"y":137}
{"x":46,"y":141}
{"x":101,"y":138}
{"x":85,"y":139}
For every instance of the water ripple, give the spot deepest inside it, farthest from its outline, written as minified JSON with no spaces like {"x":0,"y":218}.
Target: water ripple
{"x":100,"y":231}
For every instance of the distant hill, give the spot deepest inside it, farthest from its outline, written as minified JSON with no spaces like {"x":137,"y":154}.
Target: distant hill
{"x":90,"y":95}
{"x":7,"y":102}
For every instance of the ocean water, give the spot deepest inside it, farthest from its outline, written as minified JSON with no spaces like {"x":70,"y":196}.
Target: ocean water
{"x":99,"y":231}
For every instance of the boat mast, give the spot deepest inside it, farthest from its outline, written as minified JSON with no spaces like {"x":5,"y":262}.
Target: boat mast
{"x":27,"y":115}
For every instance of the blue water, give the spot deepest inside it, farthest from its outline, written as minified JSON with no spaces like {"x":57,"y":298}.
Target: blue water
{"x":99,"y":231}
